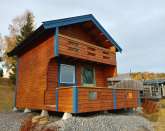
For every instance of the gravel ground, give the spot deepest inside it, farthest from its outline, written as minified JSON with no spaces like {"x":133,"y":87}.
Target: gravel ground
{"x":106,"y":123}
{"x":11,"y":121}
{"x":100,"y":122}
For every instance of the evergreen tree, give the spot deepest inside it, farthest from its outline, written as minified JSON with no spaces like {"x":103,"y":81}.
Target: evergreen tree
{"x":27,"y":28}
{"x":1,"y":72}
{"x":24,"y":31}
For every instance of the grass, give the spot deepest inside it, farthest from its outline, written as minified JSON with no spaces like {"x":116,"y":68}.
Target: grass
{"x":152,"y":117}
{"x":6,"y":95}
{"x":158,"y":118}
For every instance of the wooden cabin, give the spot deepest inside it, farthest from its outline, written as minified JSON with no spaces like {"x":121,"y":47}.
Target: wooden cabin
{"x":64,"y":65}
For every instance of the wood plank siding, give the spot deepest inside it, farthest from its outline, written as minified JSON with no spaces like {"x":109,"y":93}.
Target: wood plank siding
{"x":52,"y":82}
{"x":106,"y":99}
{"x":80,"y":49}
{"x":32,"y":74}
{"x":65,"y":99}
{"x":91,"y":54}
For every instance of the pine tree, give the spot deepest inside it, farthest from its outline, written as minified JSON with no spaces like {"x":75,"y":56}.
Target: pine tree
{"x":27,"y":28}
{"x":25,"y":31}
{"x":1,"y":72}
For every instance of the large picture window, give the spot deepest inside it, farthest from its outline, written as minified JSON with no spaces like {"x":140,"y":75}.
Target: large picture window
{"x":67,"y":74}
{"x":88,"y":76}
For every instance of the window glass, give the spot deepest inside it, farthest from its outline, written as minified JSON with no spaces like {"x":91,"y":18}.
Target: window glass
{"x":88,"y":75}
{"x":67,"y":74}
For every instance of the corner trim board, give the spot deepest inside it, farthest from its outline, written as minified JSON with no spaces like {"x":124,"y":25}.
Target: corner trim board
{"x":16,"y":87}
{"x":139,"y":99}
{"x":75,"y":99}
{"x":58,"y":84}
{"x":56,"y":43}
{"x":56,"y":99}
{"x":114,"y":98}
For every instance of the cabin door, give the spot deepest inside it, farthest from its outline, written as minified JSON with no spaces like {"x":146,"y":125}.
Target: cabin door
{"x":67,"y":75}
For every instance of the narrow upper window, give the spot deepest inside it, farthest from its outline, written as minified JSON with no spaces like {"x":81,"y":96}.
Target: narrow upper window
{"x":67,"y":74}
{"x":88,"y":76}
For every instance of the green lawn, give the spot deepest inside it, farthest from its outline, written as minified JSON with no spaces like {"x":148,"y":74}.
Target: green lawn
{"x":6,"y":95}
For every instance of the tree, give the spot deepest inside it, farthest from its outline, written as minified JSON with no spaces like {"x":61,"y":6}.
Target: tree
{"x":27,"y":28}
{"x":21,"y":27}
{"x":1,"y":48}
{"x":1,"y":72}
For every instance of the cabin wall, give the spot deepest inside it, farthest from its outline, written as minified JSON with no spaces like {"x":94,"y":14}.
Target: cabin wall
{"x":76,"y":31}
{"x":32,"y":74}
{"x":52,"y":82}
{"x":110,"y":71}
{"x":65,"y":99}
{"x":126,"y":98}
{"x":91,"y":35}
{"x":106,"y":99}
{"x":101,"y":80}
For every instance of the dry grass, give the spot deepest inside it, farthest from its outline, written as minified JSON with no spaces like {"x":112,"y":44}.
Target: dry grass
{"x":152,"y":117}
{"x":158,"y":118}
{"x":6,"y":95}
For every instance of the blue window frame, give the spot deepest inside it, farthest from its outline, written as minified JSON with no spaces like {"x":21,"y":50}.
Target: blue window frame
{"x":67,"y":74}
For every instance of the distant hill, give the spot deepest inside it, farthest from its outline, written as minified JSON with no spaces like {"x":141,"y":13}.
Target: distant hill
{"x":147,"y":76}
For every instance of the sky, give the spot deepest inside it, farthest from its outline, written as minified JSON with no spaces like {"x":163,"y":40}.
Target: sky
{"x":138,"y":26}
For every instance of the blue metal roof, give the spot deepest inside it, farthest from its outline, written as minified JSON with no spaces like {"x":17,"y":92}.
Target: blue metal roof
{"x":80,"y":19}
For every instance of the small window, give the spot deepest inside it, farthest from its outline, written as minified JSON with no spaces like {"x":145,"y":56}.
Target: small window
{"x":67,"y":74}
{"x":88,"y":76}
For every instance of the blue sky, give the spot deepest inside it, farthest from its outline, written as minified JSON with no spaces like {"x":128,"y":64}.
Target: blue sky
{"x":138,"y":26}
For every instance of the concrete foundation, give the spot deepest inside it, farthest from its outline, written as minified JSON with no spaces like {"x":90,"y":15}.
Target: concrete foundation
{"x":27,"y":110}
{"x":15,"y":109}
{"x":66,"y":115}
{"x":44,"y":113}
